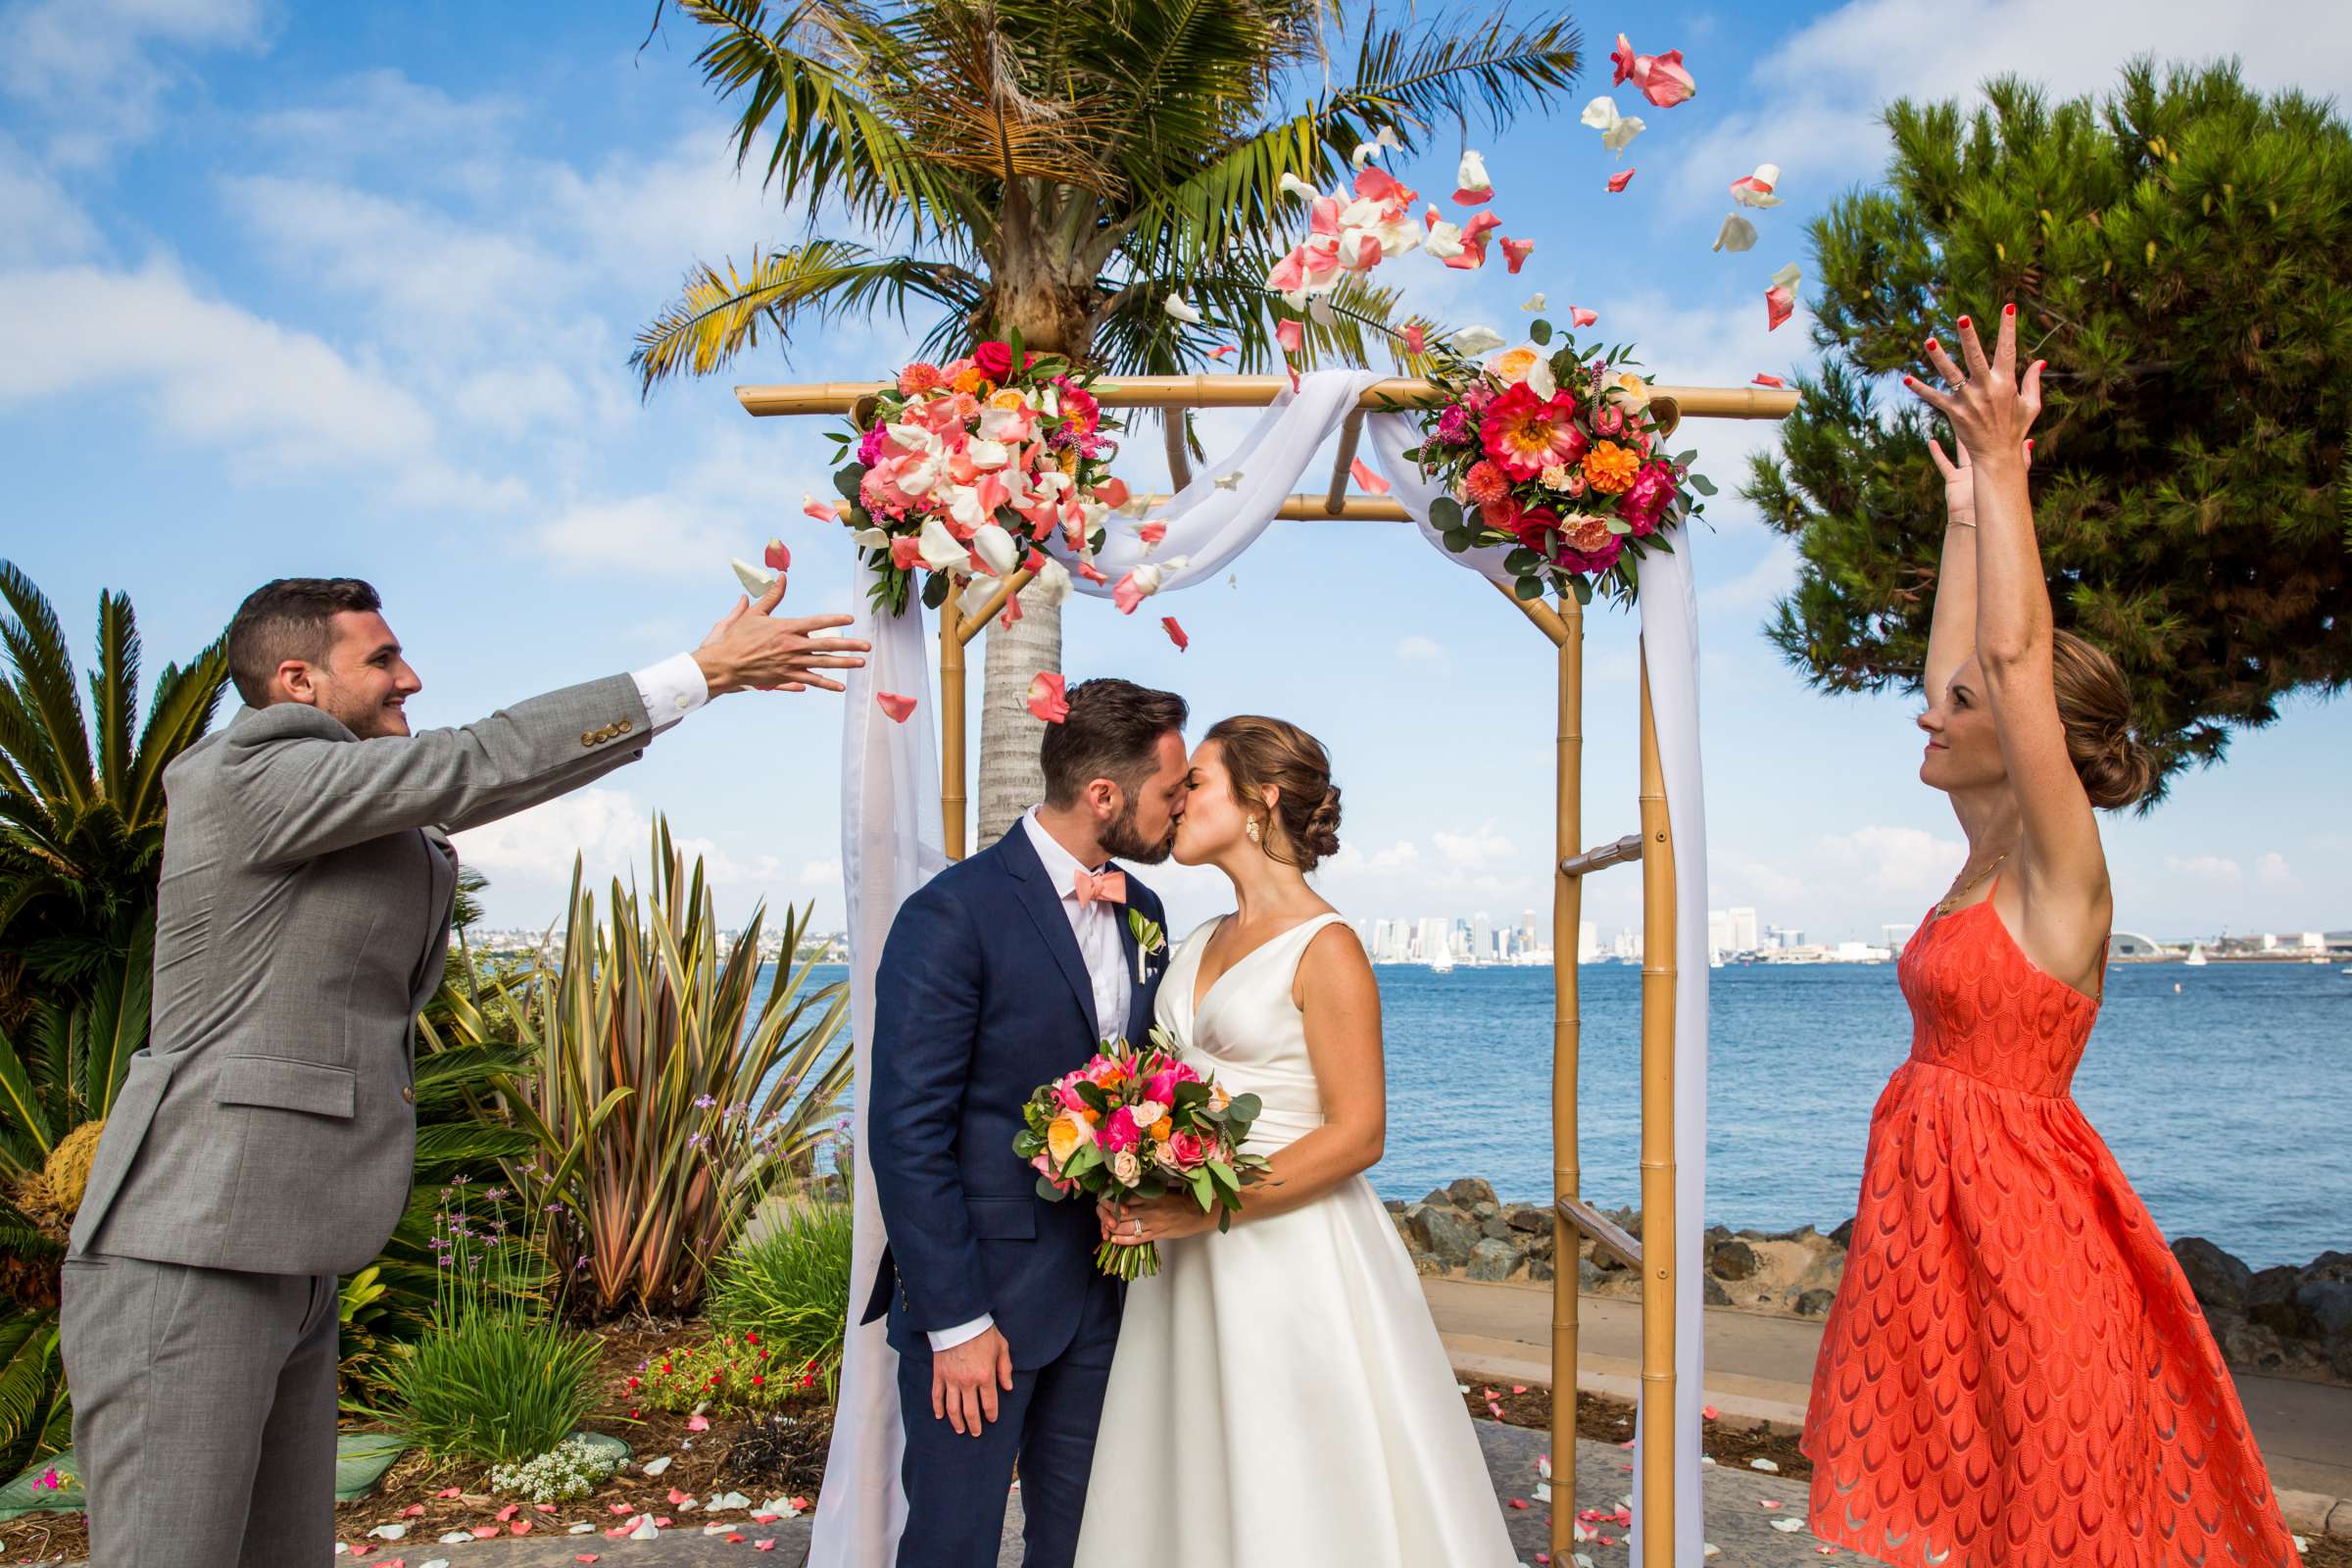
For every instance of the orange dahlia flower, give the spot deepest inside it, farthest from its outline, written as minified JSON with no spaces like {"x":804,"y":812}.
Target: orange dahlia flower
{"x":1610,"y":467}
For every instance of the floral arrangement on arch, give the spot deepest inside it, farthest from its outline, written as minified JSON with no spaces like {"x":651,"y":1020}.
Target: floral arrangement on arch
{"x":1557,"y":455}
{"x":963,"y":469}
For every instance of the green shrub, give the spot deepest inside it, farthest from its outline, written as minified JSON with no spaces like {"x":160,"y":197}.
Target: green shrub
{"x":723,"y":1374}
{"x":495,"y":1378}
{"x":792,"y":1288}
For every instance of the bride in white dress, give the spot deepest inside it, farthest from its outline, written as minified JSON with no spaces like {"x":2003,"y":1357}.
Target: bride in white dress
{"x":1279,"y":1395}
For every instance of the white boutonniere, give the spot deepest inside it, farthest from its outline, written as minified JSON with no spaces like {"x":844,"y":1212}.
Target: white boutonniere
{"x":1150,"y":943}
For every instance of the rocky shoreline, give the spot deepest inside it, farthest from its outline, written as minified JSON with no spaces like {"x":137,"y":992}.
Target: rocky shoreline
{"x":2294,"y":1322}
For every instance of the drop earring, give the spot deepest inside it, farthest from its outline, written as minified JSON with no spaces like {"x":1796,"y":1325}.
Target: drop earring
{"x":1251,"y":830}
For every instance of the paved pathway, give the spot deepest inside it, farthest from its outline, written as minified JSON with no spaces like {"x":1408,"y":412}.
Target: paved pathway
{"x":1760,"y":1369}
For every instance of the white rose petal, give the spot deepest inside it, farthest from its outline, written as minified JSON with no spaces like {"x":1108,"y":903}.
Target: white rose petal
{"x":755,"y":581}
{"x":1292,"y":185}
{"x":941,"y":553}
{"x":1177,"y":306}
{"x":995,"y":547}
{"x":1472,"y":340}
{"x":1737,"y":233}
{"x":654,"y":1467}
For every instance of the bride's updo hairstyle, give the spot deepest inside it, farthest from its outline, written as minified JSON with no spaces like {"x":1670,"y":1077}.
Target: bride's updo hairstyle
{"x":2094,"y":704}
{"x":1260,"y":752}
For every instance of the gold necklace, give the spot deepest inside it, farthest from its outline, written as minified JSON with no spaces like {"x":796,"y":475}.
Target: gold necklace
{"x":1957,"y":894}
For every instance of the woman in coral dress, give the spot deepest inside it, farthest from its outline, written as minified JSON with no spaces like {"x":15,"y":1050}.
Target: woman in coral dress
{"x":2015,"y":1372}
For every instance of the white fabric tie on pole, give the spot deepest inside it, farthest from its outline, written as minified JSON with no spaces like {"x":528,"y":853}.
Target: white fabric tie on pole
{"x":892,"y":843}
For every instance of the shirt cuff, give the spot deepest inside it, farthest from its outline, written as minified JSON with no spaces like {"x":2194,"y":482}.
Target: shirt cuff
{"x":671,"y":689}
{"x":948,"y":1339}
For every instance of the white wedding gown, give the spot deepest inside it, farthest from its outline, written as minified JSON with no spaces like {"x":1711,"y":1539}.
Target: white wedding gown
{"x":1280,"y":1397}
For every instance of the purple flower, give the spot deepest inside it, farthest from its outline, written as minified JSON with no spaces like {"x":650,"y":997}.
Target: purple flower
{"x":704,"y":1102}
{"x":869,"y":446}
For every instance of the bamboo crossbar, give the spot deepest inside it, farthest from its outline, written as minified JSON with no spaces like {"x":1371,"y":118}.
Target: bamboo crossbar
{"x":1255,"y":392}
{"x":1606,"y":1234}
{"x":1600,"y":857}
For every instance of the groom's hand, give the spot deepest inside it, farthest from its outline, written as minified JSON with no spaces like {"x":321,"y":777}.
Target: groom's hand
{"x":965,"y":1380}
{"x":750,"y":650}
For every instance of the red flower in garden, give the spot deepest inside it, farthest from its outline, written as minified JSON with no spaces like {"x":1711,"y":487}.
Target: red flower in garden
{"x":1525,"y":434}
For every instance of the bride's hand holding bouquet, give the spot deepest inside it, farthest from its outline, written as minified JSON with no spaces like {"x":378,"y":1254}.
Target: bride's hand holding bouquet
{"x":1141,"y":1132}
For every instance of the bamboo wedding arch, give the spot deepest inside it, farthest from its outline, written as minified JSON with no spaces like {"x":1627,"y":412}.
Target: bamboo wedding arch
{"x":1652,"y":1254}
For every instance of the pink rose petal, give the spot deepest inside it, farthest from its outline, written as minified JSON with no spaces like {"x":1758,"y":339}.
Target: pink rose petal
{"x":1290,"y":334}
{"x":1175,"y":633}
{"x":1581,"y":316}
{"x":897,"y":707}
{"x":1619,"y":180}
{"x":1364,"y":477}
{"x":1048,"y":704}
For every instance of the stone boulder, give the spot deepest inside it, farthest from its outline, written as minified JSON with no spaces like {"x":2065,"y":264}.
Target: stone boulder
{"x":1444,"y":1233}
{"x":2217,"y":1279}
{"x":1732,"y":1260}
{"x":1469,"y":1192}
{"x":1493,"y":1259}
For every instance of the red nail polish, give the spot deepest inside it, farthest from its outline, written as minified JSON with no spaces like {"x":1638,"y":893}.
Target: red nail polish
{"x":2008,"y":309}
{"x":1933,"y":345}
{"x":1964,"y":323}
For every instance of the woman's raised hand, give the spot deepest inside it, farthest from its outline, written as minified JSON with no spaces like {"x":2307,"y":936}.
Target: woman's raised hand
{"x":1991,"y":409}
{"x":1960,"y":483}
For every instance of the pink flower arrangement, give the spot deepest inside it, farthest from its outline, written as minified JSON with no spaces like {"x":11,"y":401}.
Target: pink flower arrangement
{"x":967,"y":468}
{"x":1126,"y":1126}
{"x":1554,"y":455}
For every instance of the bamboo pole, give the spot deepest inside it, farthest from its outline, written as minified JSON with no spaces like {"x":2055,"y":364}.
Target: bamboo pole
{"x":978,"y":621}
{"x":1658,"y":1283}
{"x":951,"y":801}
{"x":1255,"y":392}
{"x":1567,"y":914}
{"x":1350,"y":433}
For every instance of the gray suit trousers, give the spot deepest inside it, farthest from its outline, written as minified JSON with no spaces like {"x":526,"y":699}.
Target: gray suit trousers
{"x":204,"y":1413}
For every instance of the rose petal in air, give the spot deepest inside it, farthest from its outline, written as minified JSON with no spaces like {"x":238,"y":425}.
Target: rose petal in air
{"x":1737,"y":233}
{"x":779,"y":555}
{"x":1619,"y":180}
{"x":1581,"y":316}
{"x":1515,"y":252}
{"x":1755,"y":190}
{"x":1763,"y":379}
{"x":1290,"y":333}
{"x":1366,"y":478}
{"x":1471,"y":184}
{"x":1046,"y":701}
{"x":1175,"y":305}
{"x":897,"y":707}
{"x":1222,"y":349}
{"x":1416,"y":339}
{"x":1168,"y":623}
{"x":1779,"y":306}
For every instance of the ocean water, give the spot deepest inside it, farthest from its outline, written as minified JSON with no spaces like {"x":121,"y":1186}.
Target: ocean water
{"x":2227,"y":1103}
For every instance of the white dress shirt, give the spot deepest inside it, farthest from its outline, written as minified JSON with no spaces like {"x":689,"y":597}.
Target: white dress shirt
{"x":671,"y":689}
{"x":1096,"y":926}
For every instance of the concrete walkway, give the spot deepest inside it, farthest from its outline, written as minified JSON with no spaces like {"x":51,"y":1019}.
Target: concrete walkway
{"x":1760,"y":1370}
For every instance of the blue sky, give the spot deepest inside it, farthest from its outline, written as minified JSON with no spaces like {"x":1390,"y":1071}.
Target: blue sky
{"x":339,"y":289}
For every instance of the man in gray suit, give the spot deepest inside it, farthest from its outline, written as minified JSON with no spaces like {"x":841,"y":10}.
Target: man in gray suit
{"x":262,"y":1143}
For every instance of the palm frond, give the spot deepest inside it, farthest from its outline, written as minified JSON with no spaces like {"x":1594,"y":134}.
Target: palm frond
{"x":44,"y":691}
{"x":1418,"y":77}
{"x":115,"y":1020}
{"x":178,"y":718}
{"x":115,"y":690}
{"x":718,"y":317}
{"x":35,"y":1418}
{"x":829,"y":138}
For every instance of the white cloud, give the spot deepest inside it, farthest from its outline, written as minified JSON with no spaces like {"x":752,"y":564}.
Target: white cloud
{"x":1475,"y":850}
{"x":2272,"y":871}
{"x":44,"y":223}
{"x":91,"y":67}
{"x":209,"y":371}
{"x":1773,"y":574}
{"x":611,"y":835}
{"x":1419,"y":650}
{"x":820,"y":873}
{"x":2210,"y":868}
{"x":641,"y":533}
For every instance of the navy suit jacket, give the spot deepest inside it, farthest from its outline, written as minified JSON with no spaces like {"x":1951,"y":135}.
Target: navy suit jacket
{"x":980,"y":998}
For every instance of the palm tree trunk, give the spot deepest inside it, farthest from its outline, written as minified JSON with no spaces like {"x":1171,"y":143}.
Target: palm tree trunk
{"x":1011,"y":778}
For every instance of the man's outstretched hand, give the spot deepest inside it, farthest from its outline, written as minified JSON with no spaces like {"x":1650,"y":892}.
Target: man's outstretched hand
{"x":750,"y":650}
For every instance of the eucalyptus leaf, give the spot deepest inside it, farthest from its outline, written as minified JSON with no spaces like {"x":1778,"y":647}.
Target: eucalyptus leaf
{"x":846,"y":479}
{"x":1702,"y":484}
{"x":1446,"y":513}
{"x":1583,"y":587}
{"x":1540,"y":331}
{"x":1528,"y":588}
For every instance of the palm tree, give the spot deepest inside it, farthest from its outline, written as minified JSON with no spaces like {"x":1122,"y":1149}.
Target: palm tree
{"x":1058,"y":168}
{"x":81,"y":802}
{"x":81,"y":835}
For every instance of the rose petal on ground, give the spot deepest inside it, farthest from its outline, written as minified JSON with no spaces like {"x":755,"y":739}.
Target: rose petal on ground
{"x":1765,"y":1465}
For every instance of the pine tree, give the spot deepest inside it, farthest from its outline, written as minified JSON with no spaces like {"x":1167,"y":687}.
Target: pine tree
{"x":2182,"y":255}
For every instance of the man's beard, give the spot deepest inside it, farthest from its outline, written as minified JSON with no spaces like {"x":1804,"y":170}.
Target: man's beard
{"x":1121,"y":841}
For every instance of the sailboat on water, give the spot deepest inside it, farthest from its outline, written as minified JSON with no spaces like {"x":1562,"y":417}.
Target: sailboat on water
{"x":2196,"y":956}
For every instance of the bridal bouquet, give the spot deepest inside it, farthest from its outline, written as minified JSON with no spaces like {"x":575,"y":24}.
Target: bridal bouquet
{"x":1559,"y":457}
{"x":1130,"y":1125}
{"x":967,"y":467}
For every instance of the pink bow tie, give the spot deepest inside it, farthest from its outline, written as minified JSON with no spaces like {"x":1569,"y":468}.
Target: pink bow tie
{"x":1092,"y":885}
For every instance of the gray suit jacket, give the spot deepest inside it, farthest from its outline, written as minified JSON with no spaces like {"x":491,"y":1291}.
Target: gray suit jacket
{"x":271,"y":1123}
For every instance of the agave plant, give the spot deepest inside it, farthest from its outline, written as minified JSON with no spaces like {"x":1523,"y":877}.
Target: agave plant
{"x":665,"y":1097}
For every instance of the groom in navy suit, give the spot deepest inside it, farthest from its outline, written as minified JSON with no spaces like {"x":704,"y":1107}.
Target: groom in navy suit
{"x":1005,"y":971}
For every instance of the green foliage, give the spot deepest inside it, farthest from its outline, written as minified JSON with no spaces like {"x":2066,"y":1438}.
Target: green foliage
{"x":36,"y":1419}
{"x":2182,"y":255}
{"x":81,"y":792}
{"x":660,"y":1109}
{"x":496,"y":1378}
{"x":725,"y":1374}
{"x":1056,"y":170}
{"x":792,"y":1288}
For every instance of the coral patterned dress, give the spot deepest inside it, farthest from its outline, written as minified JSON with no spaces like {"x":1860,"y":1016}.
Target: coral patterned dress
{"x":2015,"y":1372}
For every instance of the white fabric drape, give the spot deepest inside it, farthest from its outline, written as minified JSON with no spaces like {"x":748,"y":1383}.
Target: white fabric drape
{"x":891,"y":841}
{"x":891,"y":844}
